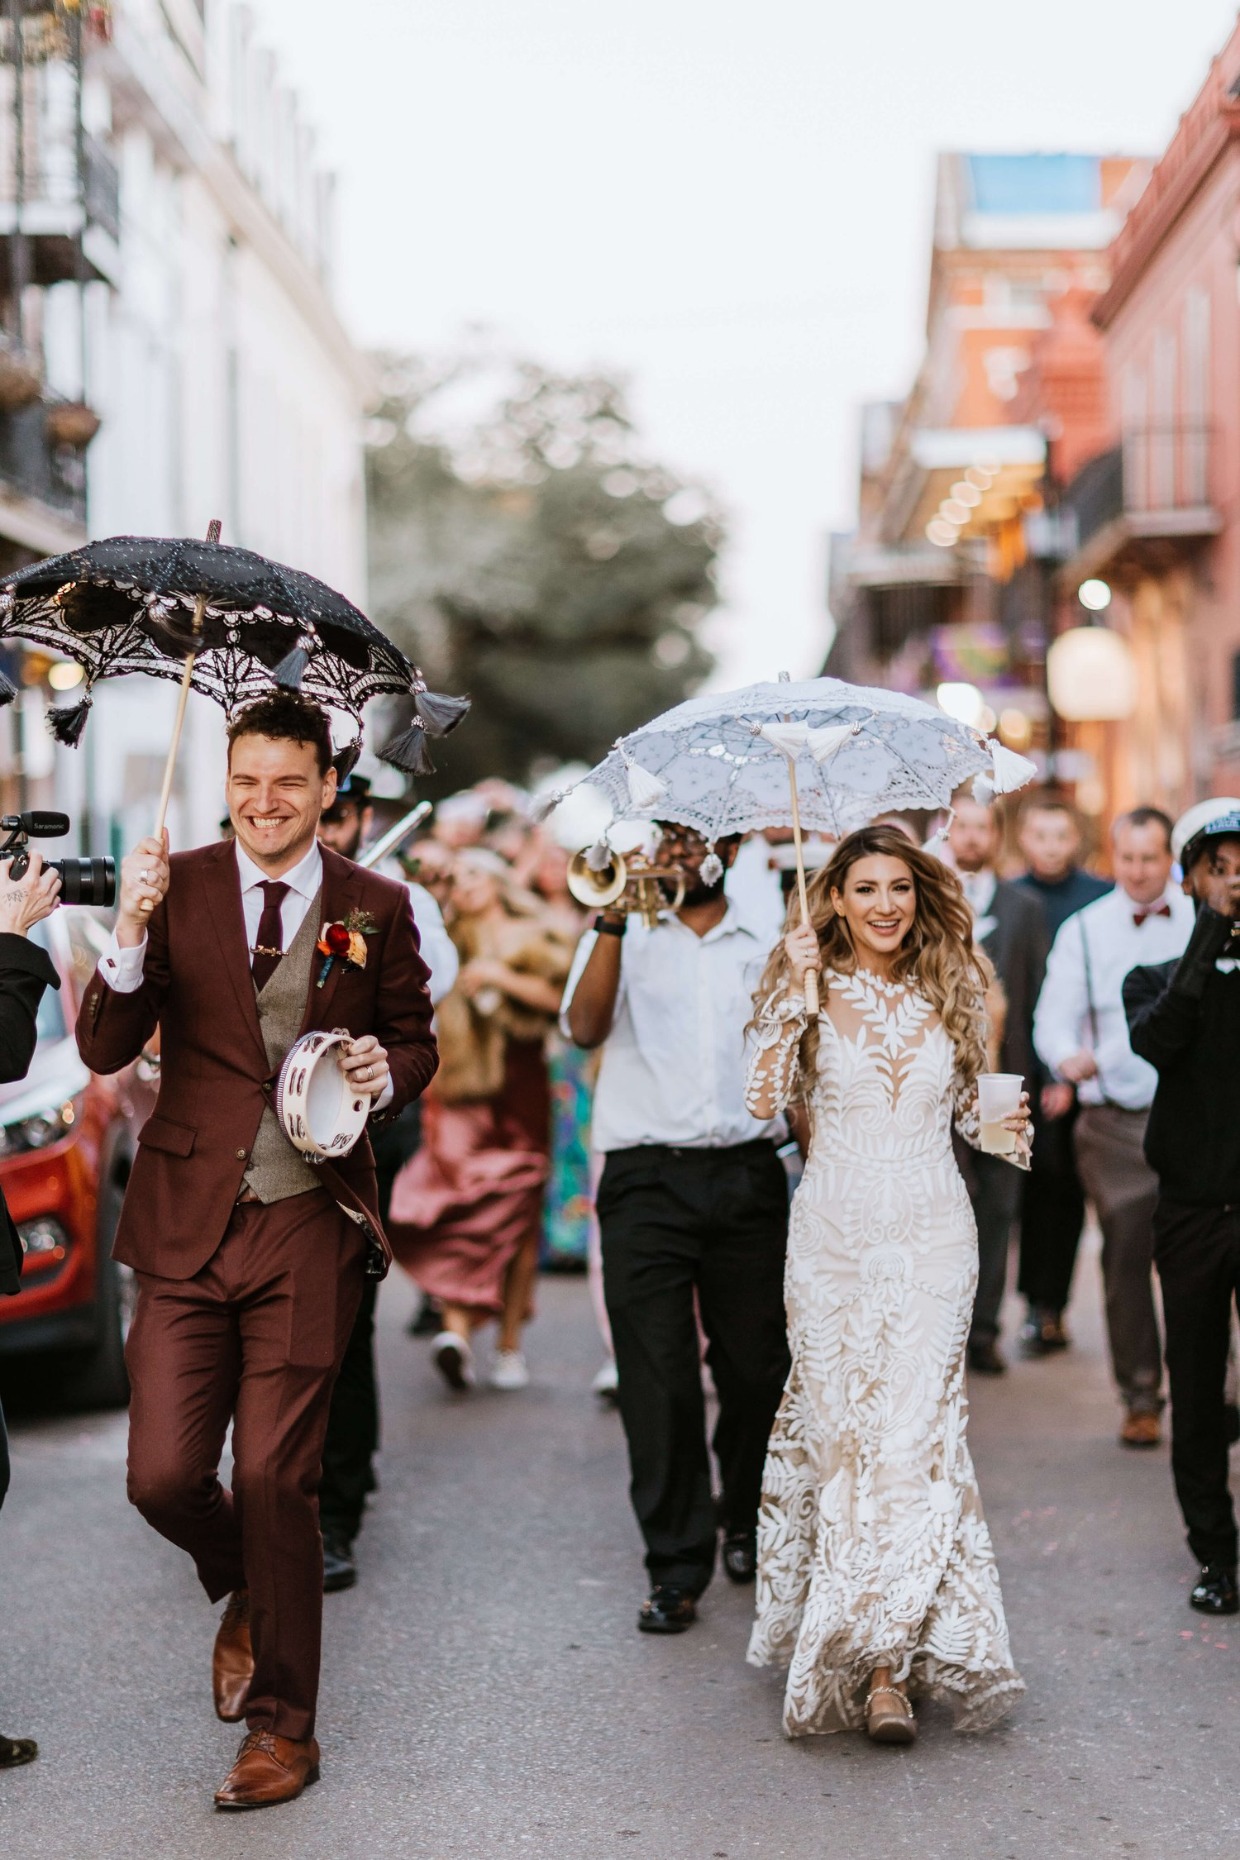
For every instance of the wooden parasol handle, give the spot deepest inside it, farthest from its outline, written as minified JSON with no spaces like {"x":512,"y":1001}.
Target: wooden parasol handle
{"x":165,"y":794}
{"x":811,"y":976}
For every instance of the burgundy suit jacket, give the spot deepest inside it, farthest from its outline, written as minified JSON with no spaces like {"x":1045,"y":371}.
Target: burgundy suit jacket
{"x":214,"y":1076}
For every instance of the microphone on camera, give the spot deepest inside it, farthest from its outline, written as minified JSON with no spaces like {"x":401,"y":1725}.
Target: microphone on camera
{"x":45,"y":826}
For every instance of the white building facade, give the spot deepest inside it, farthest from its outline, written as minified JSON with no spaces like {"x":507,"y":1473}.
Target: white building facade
{"x":200,"y":327}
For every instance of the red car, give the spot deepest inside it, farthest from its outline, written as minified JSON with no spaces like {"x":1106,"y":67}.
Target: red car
{"x":67,"y":1142}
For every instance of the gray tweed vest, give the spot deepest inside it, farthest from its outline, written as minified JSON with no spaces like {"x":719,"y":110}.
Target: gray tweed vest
{"x":276,"y":1169}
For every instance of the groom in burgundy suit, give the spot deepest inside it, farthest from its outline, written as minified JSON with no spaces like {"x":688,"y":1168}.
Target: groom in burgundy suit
{"x":250,"y":1261}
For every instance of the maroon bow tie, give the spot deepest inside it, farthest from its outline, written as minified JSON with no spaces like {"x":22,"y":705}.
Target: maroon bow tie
{"x":1155,"y":910}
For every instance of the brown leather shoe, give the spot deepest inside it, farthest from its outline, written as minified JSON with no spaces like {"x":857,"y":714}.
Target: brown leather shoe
{"x":232,"y":1664}
{"x":269,"y":1769}
{"x":1141,"y":1430}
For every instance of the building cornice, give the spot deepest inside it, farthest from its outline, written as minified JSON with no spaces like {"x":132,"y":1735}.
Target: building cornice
{"x":1205,"y":132}
{"x":174,"y":110}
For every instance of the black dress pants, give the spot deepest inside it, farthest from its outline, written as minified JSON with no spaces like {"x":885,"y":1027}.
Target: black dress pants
{"x":1052,"y":1213}
{"x":353,"y":1424}
{"x":675,"y":1223}
{"x":1197,"y":1253}
{"x":4,"y":1459}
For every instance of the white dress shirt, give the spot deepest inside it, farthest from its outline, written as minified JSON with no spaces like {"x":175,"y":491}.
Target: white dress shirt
{"x":673,"y":1068}
{"x":979,"y":889}
{"x":1106,"y":932}
{"x":438,"y":949}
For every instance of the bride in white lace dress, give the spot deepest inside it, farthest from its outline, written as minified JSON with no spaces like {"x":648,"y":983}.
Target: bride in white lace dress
{"x":876,"y":1575}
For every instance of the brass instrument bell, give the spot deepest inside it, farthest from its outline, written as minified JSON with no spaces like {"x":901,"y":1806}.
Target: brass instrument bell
{"x":632,"y":885}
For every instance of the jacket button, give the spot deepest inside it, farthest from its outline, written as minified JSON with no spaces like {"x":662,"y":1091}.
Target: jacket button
{"x":240,"y":1155}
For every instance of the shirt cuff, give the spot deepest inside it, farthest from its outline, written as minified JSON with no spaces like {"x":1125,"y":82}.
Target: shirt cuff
{"x":122,"y":969}
{"x":385,"y":1098}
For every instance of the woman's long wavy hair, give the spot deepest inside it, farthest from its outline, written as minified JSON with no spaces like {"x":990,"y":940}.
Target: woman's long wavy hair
{"x":938,"y":954}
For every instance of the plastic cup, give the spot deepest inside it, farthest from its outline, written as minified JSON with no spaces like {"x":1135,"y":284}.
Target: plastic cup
{"x":998,"y":1096}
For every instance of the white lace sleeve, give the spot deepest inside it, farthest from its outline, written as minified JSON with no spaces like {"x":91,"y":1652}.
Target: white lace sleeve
{"x":774,"y":1057}
{"x":969,"y":1125}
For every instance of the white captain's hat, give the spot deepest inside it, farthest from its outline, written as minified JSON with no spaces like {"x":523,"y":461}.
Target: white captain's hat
{"x":1206,"y":821}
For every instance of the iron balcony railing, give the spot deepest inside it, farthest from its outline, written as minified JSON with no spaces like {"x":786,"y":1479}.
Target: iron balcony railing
{"x":101,"y":187}
{"x":31,"y":465}
{"x":1154,"y":471}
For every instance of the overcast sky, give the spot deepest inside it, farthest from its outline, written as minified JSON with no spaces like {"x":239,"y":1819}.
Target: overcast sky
{"x":727,"y":202}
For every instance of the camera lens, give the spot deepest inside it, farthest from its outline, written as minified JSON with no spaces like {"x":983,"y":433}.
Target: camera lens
{"x":86,"y":881}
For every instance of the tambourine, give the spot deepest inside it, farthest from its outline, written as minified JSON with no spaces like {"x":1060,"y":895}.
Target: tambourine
{"x":322,"y":1114}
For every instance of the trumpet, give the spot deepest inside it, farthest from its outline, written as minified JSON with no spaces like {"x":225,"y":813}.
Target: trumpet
{"x":633,"y":885}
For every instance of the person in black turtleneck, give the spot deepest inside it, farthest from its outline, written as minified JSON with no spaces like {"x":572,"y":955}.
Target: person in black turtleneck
{"x":1184,"y":1018}
{"x":1053,"y":1208}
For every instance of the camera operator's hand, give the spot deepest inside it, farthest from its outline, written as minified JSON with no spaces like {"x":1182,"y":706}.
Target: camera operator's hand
{"x":144,"y":880}
{"x":26,"y":900}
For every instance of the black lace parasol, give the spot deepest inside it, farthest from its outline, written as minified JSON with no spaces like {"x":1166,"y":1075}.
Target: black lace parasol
{"x":232,"y":623}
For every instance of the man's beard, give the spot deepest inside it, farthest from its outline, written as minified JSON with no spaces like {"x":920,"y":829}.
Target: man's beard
{"x":700,"y":894}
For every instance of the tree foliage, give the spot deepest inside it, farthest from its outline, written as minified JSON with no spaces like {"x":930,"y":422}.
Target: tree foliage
{"x":528,"y":555}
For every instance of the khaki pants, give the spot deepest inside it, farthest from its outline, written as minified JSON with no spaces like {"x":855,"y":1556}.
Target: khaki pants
{"x":1124,"y":1190}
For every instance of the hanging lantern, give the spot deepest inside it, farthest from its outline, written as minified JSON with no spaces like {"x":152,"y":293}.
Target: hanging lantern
{"x":1092,"y":676}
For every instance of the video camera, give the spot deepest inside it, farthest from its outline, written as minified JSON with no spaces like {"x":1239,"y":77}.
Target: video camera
{"x":82,"y":881}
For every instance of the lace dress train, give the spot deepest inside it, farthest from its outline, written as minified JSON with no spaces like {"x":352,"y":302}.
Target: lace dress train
{"x":872,"y":1547}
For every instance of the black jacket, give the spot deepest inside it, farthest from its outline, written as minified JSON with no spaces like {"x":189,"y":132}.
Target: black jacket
{"x":1018,"y":945}
{"x":1184,"y":1018}
{"x":25,"y":971}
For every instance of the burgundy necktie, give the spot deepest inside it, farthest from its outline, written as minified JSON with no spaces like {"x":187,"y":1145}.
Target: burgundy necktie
{"x":269,"y":943}
{"x":1155,"y":910}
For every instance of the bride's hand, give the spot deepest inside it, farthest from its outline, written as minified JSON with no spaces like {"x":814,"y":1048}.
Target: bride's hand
{"x":1022,"y":1123}
{"x":803,"y":953}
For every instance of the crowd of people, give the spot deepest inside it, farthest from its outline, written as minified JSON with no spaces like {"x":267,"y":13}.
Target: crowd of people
{"x":809,"y":1213}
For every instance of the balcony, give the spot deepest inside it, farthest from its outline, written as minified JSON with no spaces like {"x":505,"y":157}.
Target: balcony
{"x":58,"y":210}
{"x":42,"y":485}
{"x":1145,"y":502}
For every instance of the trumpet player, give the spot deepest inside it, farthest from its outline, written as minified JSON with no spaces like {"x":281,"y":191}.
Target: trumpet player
{"x":693,"y":1210}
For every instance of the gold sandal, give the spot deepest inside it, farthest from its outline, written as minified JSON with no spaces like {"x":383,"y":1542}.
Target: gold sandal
{"x":889,"y":1717}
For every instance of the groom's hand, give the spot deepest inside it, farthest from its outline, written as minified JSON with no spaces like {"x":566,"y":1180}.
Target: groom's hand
{"x":365,"y":1066}
{"x":144,"y":881}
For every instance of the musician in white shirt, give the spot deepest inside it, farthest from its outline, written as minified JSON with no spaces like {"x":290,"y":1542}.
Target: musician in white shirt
{"x":1081,"y":1033}
{"x":693,"y":1210}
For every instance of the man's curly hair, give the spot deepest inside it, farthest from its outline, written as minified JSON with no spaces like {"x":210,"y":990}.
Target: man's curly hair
{"x":285,"y":717}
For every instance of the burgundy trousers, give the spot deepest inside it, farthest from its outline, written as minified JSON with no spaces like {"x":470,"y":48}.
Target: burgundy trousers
{"x":255,"y":1338}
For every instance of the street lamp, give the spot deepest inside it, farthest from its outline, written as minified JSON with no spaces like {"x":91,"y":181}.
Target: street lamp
{"x":1091,"y":675}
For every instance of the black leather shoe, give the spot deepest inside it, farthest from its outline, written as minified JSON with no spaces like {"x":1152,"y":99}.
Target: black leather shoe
{"x":339,"y":1568}
{"x":740,"y":1556}
{"x":985,"y":1360}
{"x":666,"y":1611}
{"x":1214,"y":1592}
{"x":1042,"y":1333}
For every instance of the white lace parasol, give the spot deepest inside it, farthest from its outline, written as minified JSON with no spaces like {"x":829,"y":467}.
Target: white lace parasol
{"x":721,"y":763}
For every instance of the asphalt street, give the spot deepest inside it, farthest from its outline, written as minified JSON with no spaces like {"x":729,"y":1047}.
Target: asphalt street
{"x":486,"y":1695}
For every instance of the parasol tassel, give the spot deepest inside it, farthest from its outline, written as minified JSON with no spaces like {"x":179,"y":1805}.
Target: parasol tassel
{"x":645,"y":788}
{"x":1008,"y":770}
{"x":8,"y":690}
{"x":289,"y":673}
{"x":440,"y":713}
{"x":409,"y":752}
{"x":67,"y":725}
{"x":345,"y":760}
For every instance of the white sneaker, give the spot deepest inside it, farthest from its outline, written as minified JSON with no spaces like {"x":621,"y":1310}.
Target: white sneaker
{"x":454,"y":1360}
{"x":606,"y":1384}
{"x":508,"y":1371}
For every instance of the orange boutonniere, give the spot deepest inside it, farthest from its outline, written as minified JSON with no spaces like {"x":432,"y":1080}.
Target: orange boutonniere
{"x":345,"y":941}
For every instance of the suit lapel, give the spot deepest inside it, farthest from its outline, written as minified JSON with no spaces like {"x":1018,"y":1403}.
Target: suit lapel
{"x":222,"y":885}
{"x":340,"y":893}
